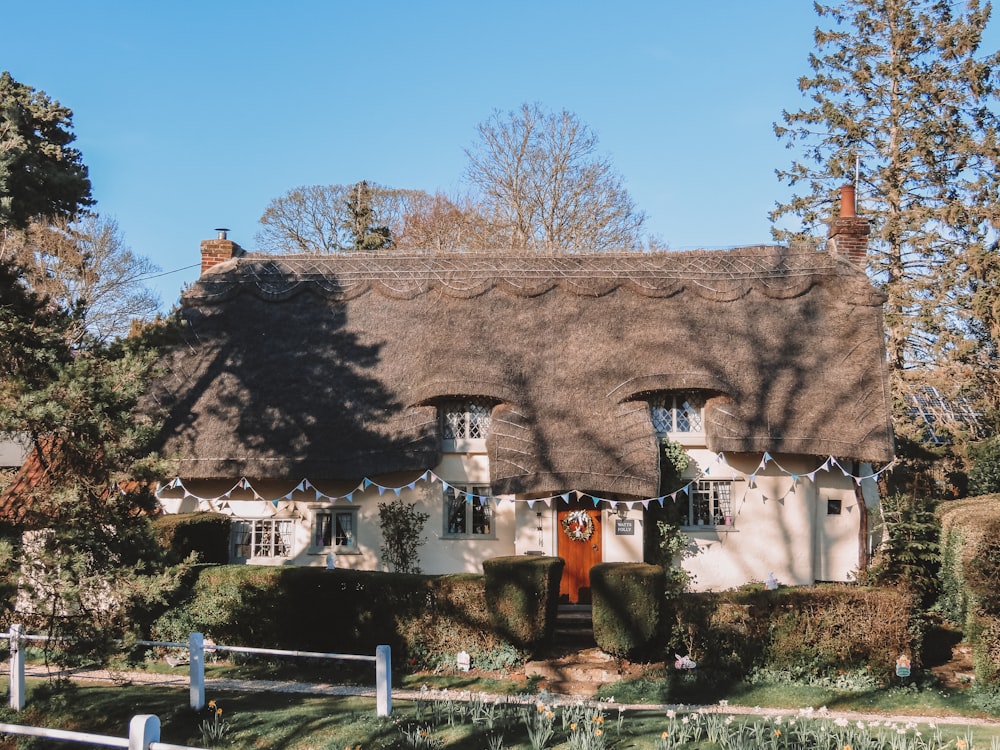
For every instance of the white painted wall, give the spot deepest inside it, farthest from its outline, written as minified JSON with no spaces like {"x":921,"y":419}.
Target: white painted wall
{"x":13,"y":451}
{"x":781,"y":524}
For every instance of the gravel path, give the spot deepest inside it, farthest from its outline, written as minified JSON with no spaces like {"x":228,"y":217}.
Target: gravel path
{"x":180,"y":680}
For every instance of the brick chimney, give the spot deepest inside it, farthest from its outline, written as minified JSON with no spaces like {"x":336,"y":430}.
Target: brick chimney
{"x":848,"y":236}
{"x":213,"y":252}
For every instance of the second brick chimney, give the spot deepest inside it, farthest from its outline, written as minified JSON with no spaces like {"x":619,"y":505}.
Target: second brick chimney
{"x":213,"y":252}
{"x":848,"y":236}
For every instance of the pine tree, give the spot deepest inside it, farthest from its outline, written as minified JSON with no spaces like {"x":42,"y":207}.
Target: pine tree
{"x":40,"y":173}
{"x":903,"y":103}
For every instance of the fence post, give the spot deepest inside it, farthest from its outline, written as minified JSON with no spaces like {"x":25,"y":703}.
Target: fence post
{"x":142,"y":730}
{"x":196,"y":656}
{"x":16,"y":669}
{"x":383,"y":681}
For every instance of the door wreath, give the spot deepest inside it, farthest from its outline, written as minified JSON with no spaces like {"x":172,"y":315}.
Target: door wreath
{"x":578,"y":525}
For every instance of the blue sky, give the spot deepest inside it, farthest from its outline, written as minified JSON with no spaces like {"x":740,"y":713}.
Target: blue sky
{"x":193,"y":115}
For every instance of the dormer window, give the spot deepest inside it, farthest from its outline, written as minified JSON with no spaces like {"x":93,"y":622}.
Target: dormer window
{"x":465,"y":425}
{"x":680,"y":417}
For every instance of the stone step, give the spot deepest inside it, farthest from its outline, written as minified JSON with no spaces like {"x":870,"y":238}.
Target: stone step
{"x":574,"y":621}
{"x":590,"y":666}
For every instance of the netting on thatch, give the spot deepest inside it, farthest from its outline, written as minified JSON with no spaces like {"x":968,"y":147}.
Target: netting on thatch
{"x":773,"y":270}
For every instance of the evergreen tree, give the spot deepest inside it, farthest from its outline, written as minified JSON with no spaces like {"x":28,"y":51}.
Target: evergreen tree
{"x":89,"y":567}
{"x":40,"y":173}
{"x":361,"y":222}
{"x":903,"y":102}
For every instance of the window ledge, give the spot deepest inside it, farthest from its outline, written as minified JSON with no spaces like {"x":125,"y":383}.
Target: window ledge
{"x":334,"y":550}
{"x":712,"y":529}
{"x":464,"y":445}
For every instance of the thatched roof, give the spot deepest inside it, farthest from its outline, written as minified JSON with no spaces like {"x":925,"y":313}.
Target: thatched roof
{"x":329,"y":367}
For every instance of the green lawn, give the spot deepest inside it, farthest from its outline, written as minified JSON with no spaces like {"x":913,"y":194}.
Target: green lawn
{"x":309,"y":722}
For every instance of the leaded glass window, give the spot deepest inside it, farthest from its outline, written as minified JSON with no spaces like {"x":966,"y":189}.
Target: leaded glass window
{"x":468,"y":511}
{"x":464,"y":421}
{"x":678,"y":413}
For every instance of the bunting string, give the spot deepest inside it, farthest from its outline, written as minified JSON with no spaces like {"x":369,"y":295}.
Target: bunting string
{"x":307,"y":487}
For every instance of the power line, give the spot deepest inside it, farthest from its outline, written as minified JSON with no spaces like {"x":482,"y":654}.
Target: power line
{"x":167,"y":273}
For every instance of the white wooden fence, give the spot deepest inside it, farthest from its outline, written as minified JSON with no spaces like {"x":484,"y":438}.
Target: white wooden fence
{"x":143,"y":734}
{"x":196,"y":661}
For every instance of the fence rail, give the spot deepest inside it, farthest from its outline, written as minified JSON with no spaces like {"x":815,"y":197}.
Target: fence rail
{"x":143,"y":734}
{"x":196,"y":648}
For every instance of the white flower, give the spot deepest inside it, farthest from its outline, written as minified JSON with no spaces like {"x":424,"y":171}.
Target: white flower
{"x":671,"y":714}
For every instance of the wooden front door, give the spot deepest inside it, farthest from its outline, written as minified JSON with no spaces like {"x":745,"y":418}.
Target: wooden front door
{"x":579,"y":529}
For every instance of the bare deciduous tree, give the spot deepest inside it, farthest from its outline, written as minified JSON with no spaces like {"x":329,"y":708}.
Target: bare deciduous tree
{"x":87,"y":264}
{"x":335,"y":218}
{"x":439,"y":224}
{"x":542,"y":182}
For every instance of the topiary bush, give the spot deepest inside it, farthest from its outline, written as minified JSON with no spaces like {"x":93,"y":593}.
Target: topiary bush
{"x":626,"y":600}
{"x":205,"y":534}
{"x":522,"y":595}
{"x":982,"y":571}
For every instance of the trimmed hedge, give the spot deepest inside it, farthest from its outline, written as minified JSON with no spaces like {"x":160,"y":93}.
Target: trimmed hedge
{"x":522,"y":594}
{"x":425,"y":619}
{"x":970,"y":583}
{"x":207,"y":534}
{"x":803,"y":630}
{"x":627,"y":600}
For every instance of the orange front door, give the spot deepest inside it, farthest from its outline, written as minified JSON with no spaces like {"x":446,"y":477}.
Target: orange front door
{"x":579,"y":530}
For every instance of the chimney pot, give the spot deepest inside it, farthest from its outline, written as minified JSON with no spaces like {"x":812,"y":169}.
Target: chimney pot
{"x":847,"y":198}
{"x":222,"y":232}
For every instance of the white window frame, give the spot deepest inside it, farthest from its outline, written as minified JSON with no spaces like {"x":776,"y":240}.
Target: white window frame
{"x":262,"y":538}
{"x":464,"y":425}
{"x":684,"y":415}
{"x":343,"y":538}
{"x":711,"y":502}
{"x":471,"y":496}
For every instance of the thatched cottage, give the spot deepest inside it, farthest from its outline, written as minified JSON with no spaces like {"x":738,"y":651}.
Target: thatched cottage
{"x":520,"y":401}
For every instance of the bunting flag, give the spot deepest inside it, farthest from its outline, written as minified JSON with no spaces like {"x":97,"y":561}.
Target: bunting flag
{"x":429,"y":476}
